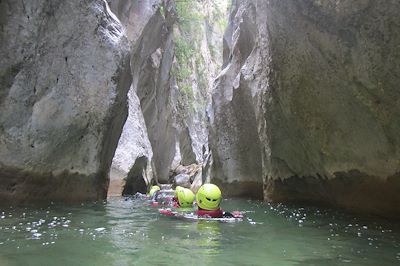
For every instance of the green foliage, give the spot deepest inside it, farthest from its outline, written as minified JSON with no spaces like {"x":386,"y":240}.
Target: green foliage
{"x":188,"y":15}
{"x":222,"y":22}
{"x":184,"y":50}
{"x":190,"y":30}
{"x":162,"y":11}
{"x":183,"y":53}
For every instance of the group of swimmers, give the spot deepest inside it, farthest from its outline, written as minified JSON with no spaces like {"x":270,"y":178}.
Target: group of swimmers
{"x":208,"y":199}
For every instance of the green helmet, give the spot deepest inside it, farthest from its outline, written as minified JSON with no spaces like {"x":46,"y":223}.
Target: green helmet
{"x":209,"y":197}
{"x":185,"y":197}
{"x":153,"y":190}
{"x":177,"y":189}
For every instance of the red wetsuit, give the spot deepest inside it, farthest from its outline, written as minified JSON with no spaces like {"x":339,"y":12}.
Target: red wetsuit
{"x":175,"y":202}
{"x":213,"y":214}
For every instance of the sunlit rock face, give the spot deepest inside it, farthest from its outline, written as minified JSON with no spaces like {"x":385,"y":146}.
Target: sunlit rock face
{"x":134,"y":15}
{"x":64,"y":76}
{"x":131,"y":163}
{"x":313,"y":84}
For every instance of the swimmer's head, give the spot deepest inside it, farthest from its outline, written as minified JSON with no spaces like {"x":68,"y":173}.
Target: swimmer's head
{"x":153,"y":190}
{"x":185,"y":197}
{"x":209,"y":197}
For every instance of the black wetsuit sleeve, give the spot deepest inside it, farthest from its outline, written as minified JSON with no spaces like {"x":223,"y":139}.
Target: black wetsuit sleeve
{"x":227,"y":215}
{"x":155,"y":196}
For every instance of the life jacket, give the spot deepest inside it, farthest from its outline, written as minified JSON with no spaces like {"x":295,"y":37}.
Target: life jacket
{"x":174,"y":202}
{"x":213,"y":214}
{"x":175,"y":199}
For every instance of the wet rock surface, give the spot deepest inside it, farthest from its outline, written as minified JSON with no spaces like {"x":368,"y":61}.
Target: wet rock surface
{"x":305,"y":109}
{"x":64,"y":76}
{"x":83,"y":85}
{"x":318,"y":97}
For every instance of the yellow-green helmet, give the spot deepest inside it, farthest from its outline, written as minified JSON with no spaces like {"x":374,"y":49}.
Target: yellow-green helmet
{"x":208,"y":197}
{"x":177,"y":189}
{"x":153,"y":190}
{"x":185,"y":197}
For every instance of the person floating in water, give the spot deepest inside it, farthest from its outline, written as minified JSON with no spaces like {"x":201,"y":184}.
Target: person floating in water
{"x":175,"y":198}
{"x":153,"y":191}
{"x":208,"y":200}
{"x":160,"y":196}
{"x":184,"y":199}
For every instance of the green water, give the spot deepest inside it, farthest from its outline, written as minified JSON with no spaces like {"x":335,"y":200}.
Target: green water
{"x":127,"y":232}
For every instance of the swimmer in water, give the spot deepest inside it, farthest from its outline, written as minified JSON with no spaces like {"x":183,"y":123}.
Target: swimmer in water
{"x":208,"y":200}
{"x":184,"y":199}
{"x":153,"y":190}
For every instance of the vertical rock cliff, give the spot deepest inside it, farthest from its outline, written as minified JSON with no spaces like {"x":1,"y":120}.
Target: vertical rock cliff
{"x":64,"y":76}
{"x":198,"y":53}
{"x":234,"y":139}
{"x":172,"y":68}
{"x":307,"y":102}
{"x":71,"y":75}
{"x":132,"y":159}
{"x":151,"y":61}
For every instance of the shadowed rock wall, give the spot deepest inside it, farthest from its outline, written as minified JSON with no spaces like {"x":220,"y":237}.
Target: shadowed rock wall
{"x":64,"y":75}
{"x":151,"y":64}
{"x":234,"y":139}
{"x":317,"y":84}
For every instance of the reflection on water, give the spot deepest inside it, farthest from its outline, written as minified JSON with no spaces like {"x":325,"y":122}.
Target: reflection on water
{"x":210,"y":237}
{"x":129,"y":232}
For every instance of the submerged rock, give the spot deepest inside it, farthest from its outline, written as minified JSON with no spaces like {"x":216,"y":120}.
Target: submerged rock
{"x":308,"y":102}
{"x":64,"y":76}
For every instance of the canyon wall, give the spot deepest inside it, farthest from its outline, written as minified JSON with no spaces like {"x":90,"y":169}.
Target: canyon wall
{"x":84,"y":85}
{"x":172,"y":68}
{"x":308,"y":105}
{"x":64,"y":77}
{"x":150,"y":123}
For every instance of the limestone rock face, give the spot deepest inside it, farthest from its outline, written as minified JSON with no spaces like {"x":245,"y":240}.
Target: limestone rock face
{"x":134,"y":15}
{"x":136,"y":179}
{"x":64,"y":76}
{"x":234,"y":139}
{"x":174,"y":120}
{"x":151,"y":63}
{"x":313,"y":84}
{"x":198,"y":60}
{"x":153,"y":91}
{"x":134,"y":149}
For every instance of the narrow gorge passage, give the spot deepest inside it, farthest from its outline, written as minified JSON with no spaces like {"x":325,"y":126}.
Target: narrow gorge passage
{"x":176,"y":55}
{"x":291,"y":108}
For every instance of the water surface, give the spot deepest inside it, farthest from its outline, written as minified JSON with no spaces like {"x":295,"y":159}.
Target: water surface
{"x":130,"y":232}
